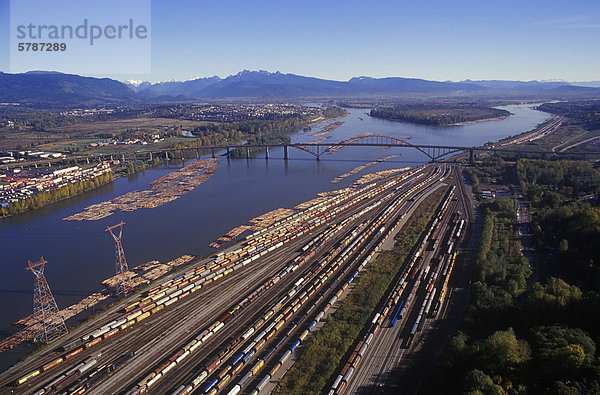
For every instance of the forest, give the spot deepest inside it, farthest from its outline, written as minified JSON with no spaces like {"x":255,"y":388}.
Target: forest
{"x":277,"y":131}
{"x":585,"y":113}
{"x":523,"y":334}
{"x":437,"y":114}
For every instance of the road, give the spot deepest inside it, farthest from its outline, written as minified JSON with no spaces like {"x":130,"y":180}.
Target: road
{"x":568,"y":147}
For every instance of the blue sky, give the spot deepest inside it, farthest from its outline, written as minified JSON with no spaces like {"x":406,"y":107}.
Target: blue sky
{"x":438,"y":40}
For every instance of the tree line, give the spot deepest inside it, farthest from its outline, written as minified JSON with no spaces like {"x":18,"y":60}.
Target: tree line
{"x":436,"y":114}
{"x":45,"y":198}
{"x":540,"y":338}
{"x":248,"y":132}
{"x":328,"y":350}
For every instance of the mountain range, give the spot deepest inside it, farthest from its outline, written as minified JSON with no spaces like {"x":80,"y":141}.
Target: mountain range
{"x":40,"y":87}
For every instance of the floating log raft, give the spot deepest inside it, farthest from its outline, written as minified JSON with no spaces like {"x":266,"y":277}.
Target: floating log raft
{"x":180,"y":261}
{"x":319,"y":140}
{"x":336,"y":192}
{"x":32,"y":324}
{"x":361,"y":167}
{"x":254,"y":224}
{"x":161,"y":191}
{"x":312,"y":202}
{"x":348,"y":141}
{"x":328,"y":128}
{"x":378,"y":175}
{"x":141,"y":274}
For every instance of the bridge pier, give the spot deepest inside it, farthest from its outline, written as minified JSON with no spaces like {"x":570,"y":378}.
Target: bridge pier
{"x":197,"y":154}
{"x":167,"y":155}
{"x":123,"y":157}
{"x":247,"y":153}
{"x":433,"y":152}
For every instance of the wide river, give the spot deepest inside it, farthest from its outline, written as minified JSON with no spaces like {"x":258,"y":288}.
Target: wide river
{"x":81,"y":254}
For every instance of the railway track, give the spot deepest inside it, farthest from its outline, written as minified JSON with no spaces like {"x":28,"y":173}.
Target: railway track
{"x":128,"y":344}
{"x":412,"y":306}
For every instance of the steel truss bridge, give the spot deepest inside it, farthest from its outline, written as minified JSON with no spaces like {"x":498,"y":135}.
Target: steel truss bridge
{"x":433,"y":152}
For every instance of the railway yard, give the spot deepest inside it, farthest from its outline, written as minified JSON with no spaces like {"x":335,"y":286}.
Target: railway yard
{"x":415,"y":305}
{"x":232,"y":323}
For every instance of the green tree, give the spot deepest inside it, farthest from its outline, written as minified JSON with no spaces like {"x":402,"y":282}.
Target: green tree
{"x":477,"y":382}
{"x":563,"y":246}
{"x":502,"y":350}
{"x":569,"y":357}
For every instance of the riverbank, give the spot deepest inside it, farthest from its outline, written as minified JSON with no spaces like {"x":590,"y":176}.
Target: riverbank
{"x":502,"y":118}
{"x":81,"y":254}
{"x":47,"y":198}
{"x":439,"y":114}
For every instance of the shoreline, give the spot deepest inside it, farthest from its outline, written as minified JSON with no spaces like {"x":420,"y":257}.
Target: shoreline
{"x":321,"y":119}
{"x":324,"y":121}
{"x":502,"y":118}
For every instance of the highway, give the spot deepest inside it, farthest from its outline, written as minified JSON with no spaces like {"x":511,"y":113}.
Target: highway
{"x":255,"y":299}
{"x":553,"y":123}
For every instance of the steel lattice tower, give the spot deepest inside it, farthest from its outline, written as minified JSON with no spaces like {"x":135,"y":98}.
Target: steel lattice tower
{"x":123,"y":284}
{"x":44,"y":306}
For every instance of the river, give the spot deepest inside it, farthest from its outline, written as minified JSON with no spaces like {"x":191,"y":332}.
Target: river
{"x":81,"y":254}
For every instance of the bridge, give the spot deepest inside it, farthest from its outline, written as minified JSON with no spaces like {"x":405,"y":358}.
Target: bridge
{"x":318,"y":149}
{"x":431,"y":151}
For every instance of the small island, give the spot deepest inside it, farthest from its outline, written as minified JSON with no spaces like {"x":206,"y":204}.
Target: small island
{"x":439,"y":114}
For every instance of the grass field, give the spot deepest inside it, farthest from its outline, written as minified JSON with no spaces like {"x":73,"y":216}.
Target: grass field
{"x":146,"y":124}
{"x":82,"y":134}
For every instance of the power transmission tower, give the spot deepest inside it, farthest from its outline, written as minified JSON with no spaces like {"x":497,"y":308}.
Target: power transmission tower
{"x":123,"y":284}
{"x":51,"y":325}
